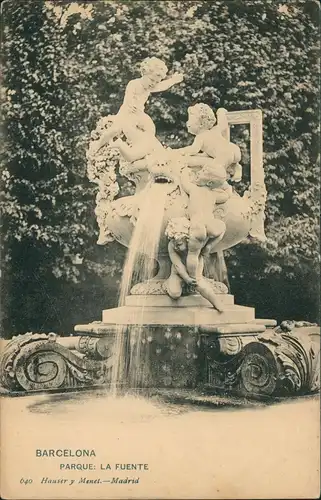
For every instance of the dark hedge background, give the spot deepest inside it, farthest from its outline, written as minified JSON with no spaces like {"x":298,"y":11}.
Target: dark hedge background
{"x":65,"y":65}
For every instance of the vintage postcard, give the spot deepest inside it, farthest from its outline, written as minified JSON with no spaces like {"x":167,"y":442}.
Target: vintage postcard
{"x":160,"y":167}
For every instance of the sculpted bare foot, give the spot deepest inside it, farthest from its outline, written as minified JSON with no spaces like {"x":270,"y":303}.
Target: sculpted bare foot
{"x":217,"y":304}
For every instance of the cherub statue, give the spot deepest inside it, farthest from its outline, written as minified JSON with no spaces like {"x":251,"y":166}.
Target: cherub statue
{"x":142,"y":145}
{"x":177,"y":232}
{"x":204,"y":227}
{"x":147,"y":152}
{"x":132,"y":112}
{"x":221,"y":154}
{"x":207,"y":186}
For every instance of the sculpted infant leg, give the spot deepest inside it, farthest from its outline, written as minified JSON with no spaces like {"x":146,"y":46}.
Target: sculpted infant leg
{"x":215,"y":229}
{"x":197,"y":240}
{"x":145,"y":123}
{"x":174,"y":284}
{"x":206,"y":290}
{"x":113,"y":131}
{"x":211,"y":170}
{"x":131,"y":153}
{"x":223,"y":193}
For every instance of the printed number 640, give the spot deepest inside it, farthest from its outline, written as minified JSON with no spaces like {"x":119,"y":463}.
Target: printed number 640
{"x":25,"y":481}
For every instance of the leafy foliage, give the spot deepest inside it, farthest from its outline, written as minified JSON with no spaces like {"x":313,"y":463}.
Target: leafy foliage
{"x":66,"y":65}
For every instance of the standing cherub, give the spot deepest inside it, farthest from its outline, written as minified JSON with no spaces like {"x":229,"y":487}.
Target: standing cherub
{"x":132,"y":112}
{"x":177,"y":232}
{"x":204,"y":227}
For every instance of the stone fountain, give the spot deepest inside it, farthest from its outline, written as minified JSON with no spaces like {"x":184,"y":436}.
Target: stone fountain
{"x":177,"y":326}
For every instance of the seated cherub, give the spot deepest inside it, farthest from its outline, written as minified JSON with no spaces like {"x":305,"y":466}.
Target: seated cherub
{"x":132,"y":112}
{"x":177,"y":232}
{"x":142,"y":144}
{"x":204,"y":227}
{"x":221,"y":154}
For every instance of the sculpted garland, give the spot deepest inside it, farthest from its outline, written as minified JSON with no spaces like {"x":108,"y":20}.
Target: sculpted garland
{"x":203,"y":214}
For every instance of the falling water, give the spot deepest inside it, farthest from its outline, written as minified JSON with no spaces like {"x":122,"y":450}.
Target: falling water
{"x":139,"y":266}
{"x":143,"y":247}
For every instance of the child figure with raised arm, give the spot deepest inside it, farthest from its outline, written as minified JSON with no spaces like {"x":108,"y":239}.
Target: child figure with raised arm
{"x":132,"y":112}
{"x":177,"y":232}
{"x":211,"y":139}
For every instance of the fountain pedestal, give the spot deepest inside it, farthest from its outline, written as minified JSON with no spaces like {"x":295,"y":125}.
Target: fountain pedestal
{"x":187,"y":344}
{"x":181,"y":344}
{"x":186,"y":311}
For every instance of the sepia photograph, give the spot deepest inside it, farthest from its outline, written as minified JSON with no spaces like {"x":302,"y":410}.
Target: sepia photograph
{"x":160,"y":250}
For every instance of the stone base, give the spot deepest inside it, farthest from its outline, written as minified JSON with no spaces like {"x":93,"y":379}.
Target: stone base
{"x":192,"y":310}
{"x":166,"y":301}
{"x":181,"y":344}
{"x":174,"y":316}
{"x":158,"y":287}
{"x":276,"y":362}
{"x":41,"y":362}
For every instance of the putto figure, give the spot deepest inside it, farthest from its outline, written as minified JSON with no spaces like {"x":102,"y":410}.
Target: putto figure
{"x":195,"y":178}
{"x":177,"y":232}
{"x":204,"y":227}
{"x":205,"y":181}
{"x":132,"y":112}
{"x":221,"y":154}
